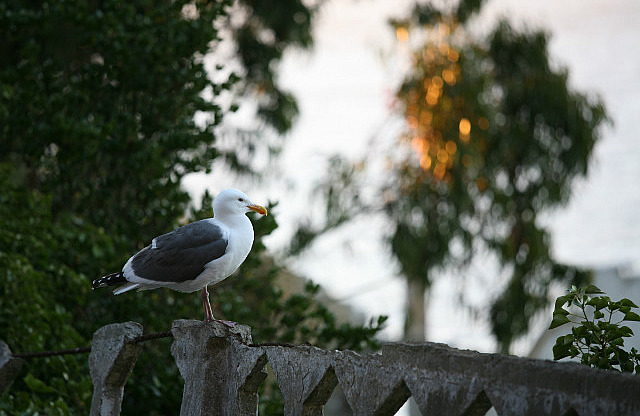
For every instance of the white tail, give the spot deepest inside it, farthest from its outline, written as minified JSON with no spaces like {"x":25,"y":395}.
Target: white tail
{"x":125,"y":288}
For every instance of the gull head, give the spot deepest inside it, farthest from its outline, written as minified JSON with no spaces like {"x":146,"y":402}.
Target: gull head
{"x":234,"y":202}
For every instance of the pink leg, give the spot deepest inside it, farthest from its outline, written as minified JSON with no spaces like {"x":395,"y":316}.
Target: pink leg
{"x":208,"y":313}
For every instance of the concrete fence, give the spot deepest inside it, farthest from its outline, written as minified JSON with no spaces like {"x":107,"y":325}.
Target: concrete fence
{"x":222,"y":372}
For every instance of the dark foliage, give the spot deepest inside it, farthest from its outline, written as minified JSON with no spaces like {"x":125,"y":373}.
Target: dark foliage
{"x":97,"y":106}
{"x":597,"y":329}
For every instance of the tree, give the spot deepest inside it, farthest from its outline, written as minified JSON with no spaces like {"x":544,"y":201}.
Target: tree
{"x":267,"y":30}
{"x":97,"y":107}
{"x":102,"y":96}
{"x":498,"y":137}
{"x":98,"y":103}
{"x":40,"y":295}
{"x":493,"y":136}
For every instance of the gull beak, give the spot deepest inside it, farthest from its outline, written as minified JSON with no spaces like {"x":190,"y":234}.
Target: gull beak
{"x":258,"y":209}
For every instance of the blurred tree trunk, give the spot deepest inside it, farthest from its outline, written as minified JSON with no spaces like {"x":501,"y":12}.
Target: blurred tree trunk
{"x":415,"y":321}
{"x":415,"y":328}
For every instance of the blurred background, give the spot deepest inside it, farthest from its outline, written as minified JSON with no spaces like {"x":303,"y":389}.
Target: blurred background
{"x":453,"y":167}
{"x":346,"y":88}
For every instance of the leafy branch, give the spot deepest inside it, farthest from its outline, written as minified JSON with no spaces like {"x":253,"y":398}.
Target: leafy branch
{"x":598,"y":332}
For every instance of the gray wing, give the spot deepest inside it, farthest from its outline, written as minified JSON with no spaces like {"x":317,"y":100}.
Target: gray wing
{"x":181,"y":255}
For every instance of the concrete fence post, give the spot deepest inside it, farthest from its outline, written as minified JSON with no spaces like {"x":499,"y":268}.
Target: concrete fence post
{"x":9,"y":367}
{"x":221,"y":374}
{"x":370,"y":385}
{"x":305,"y":376}
{"x":110,"y":363}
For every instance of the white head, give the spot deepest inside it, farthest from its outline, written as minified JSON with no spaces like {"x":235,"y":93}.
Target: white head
{"x":234,"y":202}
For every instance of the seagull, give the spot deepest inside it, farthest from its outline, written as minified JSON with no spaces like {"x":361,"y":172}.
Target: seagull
{"x":193,"y":256}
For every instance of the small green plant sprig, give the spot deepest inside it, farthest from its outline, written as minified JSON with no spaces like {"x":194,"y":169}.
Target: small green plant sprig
{"x":598,"y":333}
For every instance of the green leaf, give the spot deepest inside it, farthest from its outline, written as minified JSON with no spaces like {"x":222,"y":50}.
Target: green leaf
{"x":579,"y":331}
{"x":590,"y":326}
{"x":603,"y":362}
{"x":598,"y":315}
{"x":561,"y":301}
{"x":631,"y":316}
{"x":592,"y":289}
{"x":560,"y":351}
{"x":625,"y":331}
{"x":617,"y":341}
{"x":627,"y":366}
{"x":627,"y":302}
{"x":598,"y":302}
{"x":558,"y":320}
{"x":37,"y":385}
{"x":567,"y":339}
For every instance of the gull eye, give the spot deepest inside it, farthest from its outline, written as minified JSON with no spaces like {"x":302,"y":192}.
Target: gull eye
{"x":241,"y":199}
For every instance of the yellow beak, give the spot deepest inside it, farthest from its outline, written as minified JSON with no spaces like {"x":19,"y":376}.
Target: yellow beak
{"x":258,"y":209}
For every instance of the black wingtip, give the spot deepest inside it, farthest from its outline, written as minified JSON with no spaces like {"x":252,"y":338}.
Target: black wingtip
{"x":112,"y":279}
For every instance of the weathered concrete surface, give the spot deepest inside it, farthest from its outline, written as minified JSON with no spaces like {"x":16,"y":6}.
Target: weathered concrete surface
{"x":370,"y":386}
{"x":110,"y":363}
{"x":305,"y":376}
{"x":441,"y":377}
{"x":9,"y":367}
{"x":219,"y":371}
{"x":250,"y":372}
{"x":222,"y":375}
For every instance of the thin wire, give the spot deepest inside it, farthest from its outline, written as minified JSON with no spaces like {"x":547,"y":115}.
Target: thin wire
{"x":141,"y":338}
{"x":41,"y":354}
{"x":84,"y":350}
{"x":279,"y":344}
{"x":149,"y":337}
